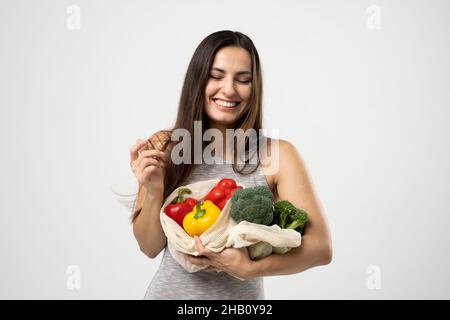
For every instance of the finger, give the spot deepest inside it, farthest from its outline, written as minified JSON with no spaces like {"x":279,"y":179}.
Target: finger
{"x":165,"y":156}
{"x":143,"y":146}
{"x":150,"y":169}
{"x":148,"y":166}
{"x":135,"y":148}
{"x":145,"y":154}
{"x":201,"y":248}
{"x":149,"y":163}
{"x":159,"y":156}
{"x":199,"y":261}
{"x":212,"y":269}
{"x":153,"y":153}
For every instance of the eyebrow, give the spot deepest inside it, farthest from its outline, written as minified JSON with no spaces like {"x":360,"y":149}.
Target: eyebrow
{"x":223,"y":71}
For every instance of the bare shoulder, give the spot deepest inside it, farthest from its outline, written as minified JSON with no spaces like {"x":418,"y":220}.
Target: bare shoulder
{"x":276,"y":159}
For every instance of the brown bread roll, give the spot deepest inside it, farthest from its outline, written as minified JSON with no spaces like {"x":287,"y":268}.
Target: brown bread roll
{"x":159,"y":140}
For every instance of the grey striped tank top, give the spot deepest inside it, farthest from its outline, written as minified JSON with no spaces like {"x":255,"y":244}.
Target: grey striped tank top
{"x":172,"y":282}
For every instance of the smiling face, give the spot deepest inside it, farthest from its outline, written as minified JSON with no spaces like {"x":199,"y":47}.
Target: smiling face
{"x":229,"y":86}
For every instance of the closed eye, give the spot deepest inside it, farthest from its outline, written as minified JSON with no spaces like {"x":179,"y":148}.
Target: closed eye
{"x":220,"y":78}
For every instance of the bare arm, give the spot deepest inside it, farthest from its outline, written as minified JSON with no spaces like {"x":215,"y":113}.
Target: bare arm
{"x":148,"y":165}
{"x":147,"y":226}
{"x":294,"y":184}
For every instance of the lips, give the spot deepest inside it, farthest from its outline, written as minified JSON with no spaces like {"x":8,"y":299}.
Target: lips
{"x":225,"y":104}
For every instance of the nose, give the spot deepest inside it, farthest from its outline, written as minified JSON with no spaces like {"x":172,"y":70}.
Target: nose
{"x":228,"y":88}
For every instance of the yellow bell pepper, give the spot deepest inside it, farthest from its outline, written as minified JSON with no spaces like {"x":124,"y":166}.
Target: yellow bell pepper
{"x":201,"y":218}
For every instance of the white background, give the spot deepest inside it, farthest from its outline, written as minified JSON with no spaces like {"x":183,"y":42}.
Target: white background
{"x":367,"y":109}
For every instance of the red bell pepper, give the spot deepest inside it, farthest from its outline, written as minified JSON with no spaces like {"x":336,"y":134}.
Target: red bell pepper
{"x":178,"y":207}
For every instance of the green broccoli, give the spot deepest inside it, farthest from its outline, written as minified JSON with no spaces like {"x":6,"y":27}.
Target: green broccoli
{"x":253,"y":204}
{"x":287,"y":216}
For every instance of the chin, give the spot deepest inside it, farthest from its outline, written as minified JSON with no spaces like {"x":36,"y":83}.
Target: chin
{"x":224,"y":121}
{"x":223,"y":117}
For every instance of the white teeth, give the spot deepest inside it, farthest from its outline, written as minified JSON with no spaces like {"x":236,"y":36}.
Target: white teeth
{"x":225,"y":103}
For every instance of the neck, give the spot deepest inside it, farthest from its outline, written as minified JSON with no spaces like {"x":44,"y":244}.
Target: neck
{"x":222,"y":129}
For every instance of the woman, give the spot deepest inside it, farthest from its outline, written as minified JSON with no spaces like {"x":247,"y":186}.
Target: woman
{"x":223,"y":90}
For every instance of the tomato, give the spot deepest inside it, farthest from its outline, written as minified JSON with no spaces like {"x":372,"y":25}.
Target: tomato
{"x":222,"y":203}
{"x":222,"y":192}
{"x":216,"y":195}
{"x":227,"y":184}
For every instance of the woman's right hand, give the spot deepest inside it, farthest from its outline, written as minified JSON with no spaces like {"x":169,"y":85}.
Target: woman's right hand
{"x":148,"y":166}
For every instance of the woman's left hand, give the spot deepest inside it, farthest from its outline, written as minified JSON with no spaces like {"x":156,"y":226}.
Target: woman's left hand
{"x":231,"y":260}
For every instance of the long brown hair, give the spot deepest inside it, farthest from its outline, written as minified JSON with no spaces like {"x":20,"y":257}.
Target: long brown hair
{"x":192,"y":101}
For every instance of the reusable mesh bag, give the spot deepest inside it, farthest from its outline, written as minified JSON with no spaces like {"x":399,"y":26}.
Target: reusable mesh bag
{"x":261,"y":240}
{"x":215,"y":238}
